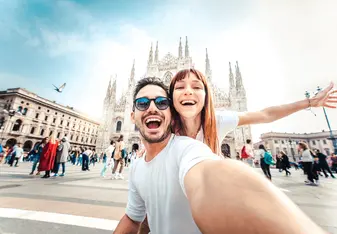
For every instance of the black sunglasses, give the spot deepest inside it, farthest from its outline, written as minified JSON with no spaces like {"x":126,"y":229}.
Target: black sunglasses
{"x":143,"y":103}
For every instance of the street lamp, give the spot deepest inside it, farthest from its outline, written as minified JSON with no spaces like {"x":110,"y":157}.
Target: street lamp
{"x":334,"y":140}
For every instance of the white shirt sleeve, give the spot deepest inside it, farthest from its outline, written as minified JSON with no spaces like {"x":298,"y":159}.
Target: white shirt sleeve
{"x":135,"y":208}
{"x":226,"y":122}
{"x":191,"y":156}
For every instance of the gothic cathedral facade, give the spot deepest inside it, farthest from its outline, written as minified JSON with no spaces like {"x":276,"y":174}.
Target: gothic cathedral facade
{"x":116,"y":111}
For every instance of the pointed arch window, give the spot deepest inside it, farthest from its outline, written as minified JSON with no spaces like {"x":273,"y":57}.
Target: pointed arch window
{"x":119,"y":126}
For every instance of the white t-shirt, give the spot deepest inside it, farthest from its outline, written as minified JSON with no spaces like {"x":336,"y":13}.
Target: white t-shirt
{"x":109,"y":151}
{"x":226,"y":121}
{"x":156,"y":188}
{"x":306,"y":156}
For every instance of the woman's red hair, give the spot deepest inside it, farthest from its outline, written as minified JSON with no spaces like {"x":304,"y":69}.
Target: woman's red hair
{"x":208,"y":121}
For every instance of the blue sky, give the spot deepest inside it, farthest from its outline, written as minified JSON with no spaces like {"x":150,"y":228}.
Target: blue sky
{"x":282,"y":45}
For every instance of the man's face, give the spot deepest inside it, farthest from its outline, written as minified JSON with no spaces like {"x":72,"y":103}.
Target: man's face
{"x":154,"y":125}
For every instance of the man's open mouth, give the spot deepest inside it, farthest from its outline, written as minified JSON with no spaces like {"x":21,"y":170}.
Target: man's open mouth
{"x":188,"y":103}
{"x":153,"y":123}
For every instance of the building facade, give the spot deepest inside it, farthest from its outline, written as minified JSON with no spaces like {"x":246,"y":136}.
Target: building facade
{"x":288,"y":142}
{"x":34,"y":118}
{"x":116,"y":114}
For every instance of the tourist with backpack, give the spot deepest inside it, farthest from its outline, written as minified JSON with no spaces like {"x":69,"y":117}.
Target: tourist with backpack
{"x":266,"y":159}
{"x":247,"y":154}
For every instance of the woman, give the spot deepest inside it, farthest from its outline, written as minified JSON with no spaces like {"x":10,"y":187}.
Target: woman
{"x":324,"y":164}
{"x":307,"y":162}
{"x":285,"y":164}
{"x":194,"y":114}
{"x":48,"y":155}
{"x":119,"y":158}
{"x":38,"y":151}
{"x":265,"y":161}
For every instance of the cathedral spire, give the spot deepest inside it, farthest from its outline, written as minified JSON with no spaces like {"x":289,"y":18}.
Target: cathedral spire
{"x":187,"y":52}
{"x":156,"y":54}
{"x":132,"y":75}
{"x":114,"y":87}
{"x":108,"y":91}
{"x":208,"y":71}
{"x":238,"y":77}
{"x":180,"y":50}
{"x":231,"y":77}
{"x":150,"y":61}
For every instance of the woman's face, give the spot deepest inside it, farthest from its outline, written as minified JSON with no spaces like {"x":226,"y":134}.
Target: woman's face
{"x":189,"y":96}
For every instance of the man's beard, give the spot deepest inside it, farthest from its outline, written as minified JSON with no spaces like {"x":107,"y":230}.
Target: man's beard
{"x":157,"y":140}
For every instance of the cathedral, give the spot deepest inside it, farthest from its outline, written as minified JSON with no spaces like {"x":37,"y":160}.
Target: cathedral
{"x":116,"y":111}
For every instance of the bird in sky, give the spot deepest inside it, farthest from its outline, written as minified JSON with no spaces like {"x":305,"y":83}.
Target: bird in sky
{"x":60,"y":89}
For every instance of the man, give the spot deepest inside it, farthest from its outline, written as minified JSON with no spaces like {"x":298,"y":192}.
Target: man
{"x":62,"y":155}
{"x":17,"y":154}
{"x":85,"y":159}
{"x":183,"y":187}
{"x":247,"y":153}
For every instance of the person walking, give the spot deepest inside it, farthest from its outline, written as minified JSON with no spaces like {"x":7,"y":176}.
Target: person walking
{"x":119,"y":158}
{"x":62,"y":155}
{"x":108,"y":161}
{"x":285,"y":164}
{"x":324,"y":164}
{"x":37,"y":154}
{"x":47,"y":159}
{"x":85,"y":159}
{"x":17,"y":154}
{"x":307,"y":162}
{"x":265,"y":161}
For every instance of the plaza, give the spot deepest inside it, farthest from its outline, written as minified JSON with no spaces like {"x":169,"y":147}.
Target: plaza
{"x":84,"y":202}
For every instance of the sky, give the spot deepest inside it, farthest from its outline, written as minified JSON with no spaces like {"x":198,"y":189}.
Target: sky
{"x":283,"y":47}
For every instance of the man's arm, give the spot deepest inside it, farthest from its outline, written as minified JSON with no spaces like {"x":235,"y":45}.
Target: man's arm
{"x":127,"y":226}
{"x":229,"y":197}
{"x":325,"y":98}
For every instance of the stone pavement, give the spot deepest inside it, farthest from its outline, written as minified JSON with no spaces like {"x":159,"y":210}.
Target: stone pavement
{"x":83,"y":202}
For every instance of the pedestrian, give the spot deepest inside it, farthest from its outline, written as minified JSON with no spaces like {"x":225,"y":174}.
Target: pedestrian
{"x":324,"y":164}
{"x":62,"y":155}
{"x":17,"y":154}
{"x":85,"y":159}
{"x":307,"y":162}
{"x":48,"y":156}
{"x":285,"y":164}
{"x":184,"y":187}
{"x":265,"y":161}
{"x":108,"y":161}
{"x":37,"y":154}
{"x":119,"y":156}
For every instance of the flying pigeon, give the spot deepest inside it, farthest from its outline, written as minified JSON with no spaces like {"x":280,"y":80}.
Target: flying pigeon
{"x":60,"y":89}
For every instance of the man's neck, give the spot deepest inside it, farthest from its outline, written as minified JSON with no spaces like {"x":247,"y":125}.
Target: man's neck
{"x":191,"y":126}
{"x":153,"y":149}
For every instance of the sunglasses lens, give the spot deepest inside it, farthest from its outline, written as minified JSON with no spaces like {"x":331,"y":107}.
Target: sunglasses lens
{"x":162,"y":103}
{"x":142,"y":103}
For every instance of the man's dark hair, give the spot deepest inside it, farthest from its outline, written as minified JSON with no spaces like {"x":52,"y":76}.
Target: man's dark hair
{"x":112,"y":142}
{"x":149,"y":81}
{"x":248,"y":141}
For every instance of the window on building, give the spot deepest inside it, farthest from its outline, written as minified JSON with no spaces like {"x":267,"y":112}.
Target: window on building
{"x":58,"y":135}
{"x":86,"y":141}
{"x":282,"y":142}
{"x":314,"y":142}
{"x":77,"y":138}
{"x":82,"y":140}
{"x":292,"y":151}
{"x":71,"y":137}
{"x":54,"y":120}
{"x":19,"y":109}
{"x":47,"y":110}
{"x":24,"y":111}
{"x":285,"y":150}
{"x":36,"y":115}
{"x":61,"y":123}
{"x":95,"y":141}
{"x":39,"y":108}
{"x":275,"y":141}
{"x":324,"y":142}
{"x":46,"y":118}
{"x":62,"y":115}
{"x":68,"y":124}
{"x":42,"y":132}
{"x":277,"y":150}
{"x":91,"y":141}
{"x":32,"y":130}
{"x":119,"y":126}
{"x":17,"y":125}
{"x":50,"y":133}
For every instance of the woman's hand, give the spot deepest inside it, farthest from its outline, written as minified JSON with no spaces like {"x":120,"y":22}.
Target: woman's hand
{"x":325,"y":98}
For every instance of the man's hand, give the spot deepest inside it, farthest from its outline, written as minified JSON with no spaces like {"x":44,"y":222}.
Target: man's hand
{"x":325,"y":98}
{"x":229,"y":197}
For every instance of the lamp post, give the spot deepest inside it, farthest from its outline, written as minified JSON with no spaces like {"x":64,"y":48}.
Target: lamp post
{"x":332,"y":138}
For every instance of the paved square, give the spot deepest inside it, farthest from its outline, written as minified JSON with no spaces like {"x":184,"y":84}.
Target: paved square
{"x":83,"y":202}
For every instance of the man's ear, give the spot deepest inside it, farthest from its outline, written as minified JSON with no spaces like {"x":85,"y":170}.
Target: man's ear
{"x":133,"y":117}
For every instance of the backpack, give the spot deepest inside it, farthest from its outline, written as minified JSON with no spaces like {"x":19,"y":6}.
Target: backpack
{"x":244,"y":153}
{"x":268,"y":159}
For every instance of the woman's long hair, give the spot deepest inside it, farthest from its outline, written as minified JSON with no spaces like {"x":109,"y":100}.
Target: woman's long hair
{"x":303,"y":145}
{"x":263,"y":148}
{"x":207,"y":113}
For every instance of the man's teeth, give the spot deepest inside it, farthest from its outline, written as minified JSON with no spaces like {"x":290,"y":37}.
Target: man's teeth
{"x":153,"y":120}
{"x":188,"y":102}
